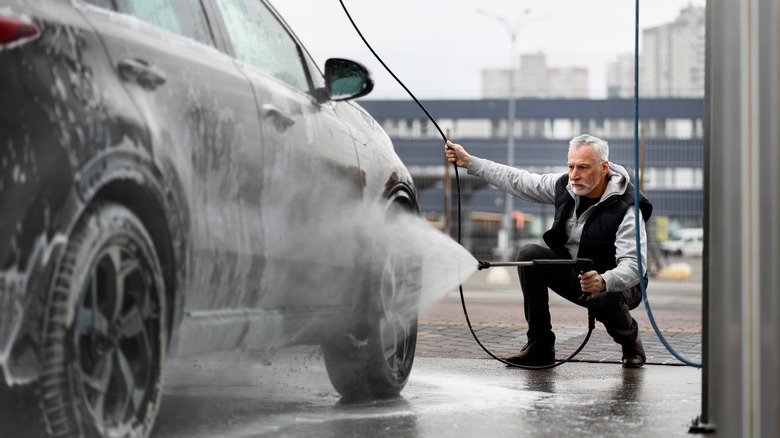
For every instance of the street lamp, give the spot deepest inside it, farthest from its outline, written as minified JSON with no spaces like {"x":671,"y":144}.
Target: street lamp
{"x":505,"y":235}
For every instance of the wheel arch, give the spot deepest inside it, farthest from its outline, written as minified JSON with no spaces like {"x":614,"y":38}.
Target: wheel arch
{"x":403,"y":194}
{"x":153,"y":200}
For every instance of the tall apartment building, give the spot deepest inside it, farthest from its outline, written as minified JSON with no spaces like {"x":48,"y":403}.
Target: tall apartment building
{"x":495,"y":83}
{"x":620,"y":77}
{"x":534,"y":79}
{"x":568,"y":82}
{"x":672,"y":57}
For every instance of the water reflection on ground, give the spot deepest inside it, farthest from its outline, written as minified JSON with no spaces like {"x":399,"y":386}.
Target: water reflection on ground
{"x":288,"y":394}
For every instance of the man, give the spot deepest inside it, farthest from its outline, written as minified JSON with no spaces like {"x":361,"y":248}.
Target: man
{"x":595,"y":219}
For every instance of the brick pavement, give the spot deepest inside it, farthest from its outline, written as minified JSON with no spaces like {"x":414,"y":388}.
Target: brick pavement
{"x":501,"y":327}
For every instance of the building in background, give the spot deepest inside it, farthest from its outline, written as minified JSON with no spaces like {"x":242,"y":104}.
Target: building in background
{"x":620,"y":77}
{"x":672,"y":57}
{"x":535,"y":79}
{"x":671,"y":65}
{"x":495,"y":83}
{"x":567,"y":83}
{"x":672,"y":158}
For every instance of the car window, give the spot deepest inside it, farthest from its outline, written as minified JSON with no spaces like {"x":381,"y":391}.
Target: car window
{"x":260,"y":40}
{"x":182,"y":17}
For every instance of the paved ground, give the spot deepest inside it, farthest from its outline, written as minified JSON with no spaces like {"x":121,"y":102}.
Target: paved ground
{"x":496,"y":313}
{"x":455,"y":390}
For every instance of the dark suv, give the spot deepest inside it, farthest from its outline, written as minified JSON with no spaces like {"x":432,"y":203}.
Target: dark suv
{"x":179,"y":177}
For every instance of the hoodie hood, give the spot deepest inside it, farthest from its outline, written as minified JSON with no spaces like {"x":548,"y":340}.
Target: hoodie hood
{"x":618,"y":180}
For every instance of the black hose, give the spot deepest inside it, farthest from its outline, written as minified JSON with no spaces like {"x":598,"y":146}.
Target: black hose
{"x":591,"y":314}
{"x":591,"y":326}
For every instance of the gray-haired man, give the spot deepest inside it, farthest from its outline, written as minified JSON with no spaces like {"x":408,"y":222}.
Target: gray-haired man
{"x":595,"y":219}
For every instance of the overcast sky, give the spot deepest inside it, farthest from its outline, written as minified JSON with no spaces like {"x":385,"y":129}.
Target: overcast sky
{"x":439,"y":47}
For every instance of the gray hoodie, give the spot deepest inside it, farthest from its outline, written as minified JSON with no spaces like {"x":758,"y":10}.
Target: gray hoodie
{"x":540,"y":188}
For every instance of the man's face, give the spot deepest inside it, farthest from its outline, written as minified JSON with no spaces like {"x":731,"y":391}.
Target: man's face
{"x":587,"y":177}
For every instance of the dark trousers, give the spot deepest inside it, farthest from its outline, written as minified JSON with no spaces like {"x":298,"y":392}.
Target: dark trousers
{"x":611,"y":308}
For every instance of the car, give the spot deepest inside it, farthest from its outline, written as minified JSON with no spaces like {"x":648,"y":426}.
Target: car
{"x":688,"y":242}
{"x":179,"y":177}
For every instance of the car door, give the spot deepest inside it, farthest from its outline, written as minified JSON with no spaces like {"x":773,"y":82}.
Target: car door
{"x":205,"y":134}
{"x":309,"y":168}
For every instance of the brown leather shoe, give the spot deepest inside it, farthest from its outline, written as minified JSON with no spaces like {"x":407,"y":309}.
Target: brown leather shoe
{"x":634,"y":354}
{"x":535,"y":354}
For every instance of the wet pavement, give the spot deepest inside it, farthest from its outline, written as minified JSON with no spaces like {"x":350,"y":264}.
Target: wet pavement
{"x":455,"y":389}
{"x":288,"y":395}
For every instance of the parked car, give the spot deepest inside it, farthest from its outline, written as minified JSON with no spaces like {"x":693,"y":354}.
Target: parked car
{"x":688,"y":242}
{"x":167,"y":168}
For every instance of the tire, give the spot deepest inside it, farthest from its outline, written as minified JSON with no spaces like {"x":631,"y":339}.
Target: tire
{"x":374,"y":358}
{"x":105,"y":337}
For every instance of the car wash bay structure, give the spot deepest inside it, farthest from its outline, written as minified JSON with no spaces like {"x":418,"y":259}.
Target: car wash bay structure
{"x":742,"y":233}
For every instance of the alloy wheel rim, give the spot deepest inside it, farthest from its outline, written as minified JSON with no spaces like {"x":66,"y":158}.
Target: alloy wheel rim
{"x":117,"y":325}
{"x":396,"y":323}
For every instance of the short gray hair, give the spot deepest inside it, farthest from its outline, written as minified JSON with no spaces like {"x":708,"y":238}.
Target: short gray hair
{"x":600,"y":146}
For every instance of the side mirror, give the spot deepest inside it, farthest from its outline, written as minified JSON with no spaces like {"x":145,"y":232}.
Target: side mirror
{"x":347,"y":79}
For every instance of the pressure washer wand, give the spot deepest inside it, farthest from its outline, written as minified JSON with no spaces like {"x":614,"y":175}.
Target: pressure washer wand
{"x":582,"y":265}
{"x":483,"y":264}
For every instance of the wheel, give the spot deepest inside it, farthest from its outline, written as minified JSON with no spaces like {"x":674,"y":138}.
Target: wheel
{"x":105,"y":336}
{"x":374,"y":358}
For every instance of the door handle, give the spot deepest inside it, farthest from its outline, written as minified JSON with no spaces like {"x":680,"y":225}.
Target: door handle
{"x":279,"y":118}
{"x":141,"y":72}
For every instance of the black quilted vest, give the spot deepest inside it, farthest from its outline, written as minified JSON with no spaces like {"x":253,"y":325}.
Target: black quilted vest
{"x":598,"y":235}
